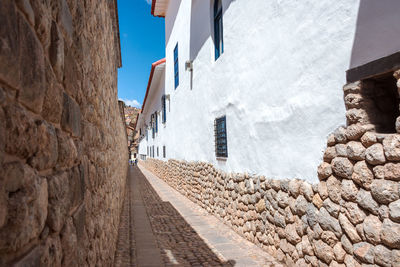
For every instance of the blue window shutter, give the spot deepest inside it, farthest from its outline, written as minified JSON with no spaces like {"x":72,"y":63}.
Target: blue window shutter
{"x":218,"y":29}
{"x":176,"y":66}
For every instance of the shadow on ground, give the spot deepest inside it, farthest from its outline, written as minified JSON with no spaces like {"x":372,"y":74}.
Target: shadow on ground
{"x":180,"y":245}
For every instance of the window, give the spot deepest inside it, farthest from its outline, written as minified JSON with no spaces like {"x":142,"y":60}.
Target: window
{"x":163,"y":151}
{"x":176,"y":66}
{"x":221,"y":145}
{"x":157,"y":152}
{"x":156,"y":121}
{"x":218,"y":29}
{"x":164,"y":109}
{"x":147,"y":136}
{"x":152,"y":148}
{"x":152,"y":123}
{"x":147,"y":151}
{"x":381,"y":102}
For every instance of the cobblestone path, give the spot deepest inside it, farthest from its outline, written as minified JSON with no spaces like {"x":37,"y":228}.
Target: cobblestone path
{"x":160,"y":227}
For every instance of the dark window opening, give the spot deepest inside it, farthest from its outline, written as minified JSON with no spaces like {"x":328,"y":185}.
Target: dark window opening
{"x":164,"y":109}
{"x":176,"y":66}
{"x":163,"y":151}
{"x":381,"y":102}
{"x":221,"y":144}
{"x":218,"y":29}
{"x":156,"y":121}
{"x":157,"y":152}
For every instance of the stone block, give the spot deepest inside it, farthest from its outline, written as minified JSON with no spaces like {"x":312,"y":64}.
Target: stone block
{"x":21,"y":132}
{"x":356,"y":115}
{"x":33,"y":82}
{"x":349,"y":190}
{"x":69,"y":244}
{"x":349,"y":229}
{"x":340,"y":135}
{"x":342,"y":167}
{"x":67,"y":152}
{"x":329,"y":223}
{"x":324,"y":170}
{"x":10,"y":44}
{"x":323,"y":251}
{"x":71,"y":116}
{"x":354,"y":213}
{"x":372,"y":229}
{"x":390,"y":234}
{"x":353,"y":101}
{"x":391,"y":146}
{"x":394,"y":211}
{"x":362,"y":174}
{"x":334,"y":189}
{"x":385,"y":191}
{"x":352,"y":88}
{"x":374,"y":154}
{"x":383,"y":256}
{"x":368,"y":139}
{"x":57,"y":52}
{"x":47,"y":153}
{"x":391,"y":171}
{"x":60,"y":196}
{"x":26,"y":204}
{"x":365,"y":200}
{"x":364,"y":252}
{"x":355,"y":150}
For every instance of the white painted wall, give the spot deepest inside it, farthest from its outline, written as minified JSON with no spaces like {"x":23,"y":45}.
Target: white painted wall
{"x":278,"y":82}
{"x":153,"y":104}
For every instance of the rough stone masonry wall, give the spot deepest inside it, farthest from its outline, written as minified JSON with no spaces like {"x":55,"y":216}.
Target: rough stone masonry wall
{"x":63,"y":155}
{"x":350,"y":218}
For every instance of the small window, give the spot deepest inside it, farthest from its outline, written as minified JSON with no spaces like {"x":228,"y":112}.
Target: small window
{"x":153,"y":150}
{"x":221,"y":144}
{"x":157,"y":152}
{"x":164,"y":109}
{"x":147,"y":151}
{"x":156,"y":116}
{"x":163,"y":149}
{"x":381,"y":102}
{"x":218,"y":29}
{"x":176,"y":66}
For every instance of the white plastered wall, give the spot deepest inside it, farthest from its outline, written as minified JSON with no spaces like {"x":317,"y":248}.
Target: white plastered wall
{"x":278,"y":82}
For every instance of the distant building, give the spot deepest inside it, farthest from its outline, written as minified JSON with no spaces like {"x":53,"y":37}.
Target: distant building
{"x":255,"y":86}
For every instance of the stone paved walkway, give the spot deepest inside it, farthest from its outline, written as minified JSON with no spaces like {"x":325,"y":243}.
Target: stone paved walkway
{"x":160,"y":227}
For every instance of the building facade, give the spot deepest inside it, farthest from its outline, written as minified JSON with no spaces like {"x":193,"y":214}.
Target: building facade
{"x":272,"y":70}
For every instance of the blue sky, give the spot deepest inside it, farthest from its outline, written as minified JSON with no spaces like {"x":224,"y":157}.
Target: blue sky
{"x":142,"y":43}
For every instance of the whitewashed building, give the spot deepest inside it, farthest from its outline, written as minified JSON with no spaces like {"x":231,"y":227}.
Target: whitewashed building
{"x":254,"y":85}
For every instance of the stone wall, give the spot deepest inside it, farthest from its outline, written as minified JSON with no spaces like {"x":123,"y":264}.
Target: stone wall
{"x":63,"y":155}
{"x":350,"y":218}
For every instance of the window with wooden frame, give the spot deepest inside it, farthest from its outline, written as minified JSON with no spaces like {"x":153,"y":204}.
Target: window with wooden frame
{"x":221,"y":144}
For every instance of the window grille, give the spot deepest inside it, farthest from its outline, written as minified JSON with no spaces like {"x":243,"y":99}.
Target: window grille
{"x":218,"y":29}
{"x":221,"y":144}
{"x":176,"y":66}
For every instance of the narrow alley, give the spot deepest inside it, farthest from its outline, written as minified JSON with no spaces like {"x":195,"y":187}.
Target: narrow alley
{"x":160,"y":227}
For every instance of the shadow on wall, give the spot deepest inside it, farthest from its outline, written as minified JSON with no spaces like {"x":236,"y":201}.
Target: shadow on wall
{"x":178,"y":241}
{"x":377,"y":31}
{"x":173,"y":12}
{"x":202,"y":23}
